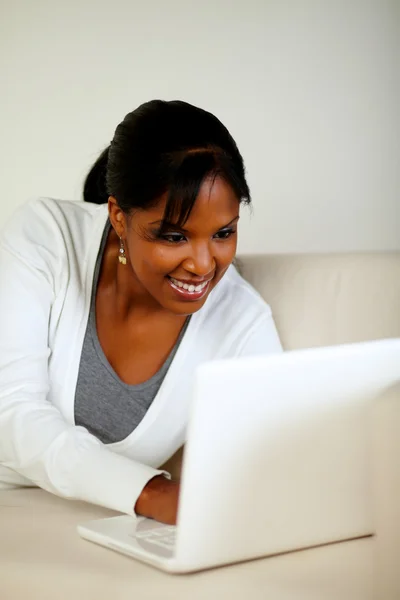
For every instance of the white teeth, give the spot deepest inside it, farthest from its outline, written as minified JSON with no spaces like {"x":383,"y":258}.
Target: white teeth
{"x":189,"y":287}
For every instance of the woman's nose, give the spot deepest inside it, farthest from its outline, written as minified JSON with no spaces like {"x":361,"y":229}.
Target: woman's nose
{"x":201,"y":261}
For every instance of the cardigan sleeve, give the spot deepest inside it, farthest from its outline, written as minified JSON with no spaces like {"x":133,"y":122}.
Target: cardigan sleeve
{"x":35,"y":440}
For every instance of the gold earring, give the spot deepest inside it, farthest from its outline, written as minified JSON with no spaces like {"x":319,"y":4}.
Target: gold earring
{"x":121,"y":254}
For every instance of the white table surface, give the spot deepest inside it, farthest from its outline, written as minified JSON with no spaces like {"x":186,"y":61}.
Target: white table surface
{"x":42,"y":556}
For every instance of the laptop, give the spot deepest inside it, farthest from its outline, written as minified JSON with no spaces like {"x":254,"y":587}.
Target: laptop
{"x":277,"y":459}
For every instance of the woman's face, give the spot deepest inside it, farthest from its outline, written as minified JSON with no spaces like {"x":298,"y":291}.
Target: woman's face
{"x":178,"y":268}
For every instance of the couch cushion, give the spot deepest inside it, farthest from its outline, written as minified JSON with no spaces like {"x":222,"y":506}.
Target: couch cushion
{"x":320,"y":300}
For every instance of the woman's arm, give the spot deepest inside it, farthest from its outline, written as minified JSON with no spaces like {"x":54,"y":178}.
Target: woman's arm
{"x":35,"y":440}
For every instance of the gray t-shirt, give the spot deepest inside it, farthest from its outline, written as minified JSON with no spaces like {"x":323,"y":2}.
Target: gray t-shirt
{"x":109,"y":408}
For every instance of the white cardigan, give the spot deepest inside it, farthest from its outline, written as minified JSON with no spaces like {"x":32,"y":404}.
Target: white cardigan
{"x":48,"y":253}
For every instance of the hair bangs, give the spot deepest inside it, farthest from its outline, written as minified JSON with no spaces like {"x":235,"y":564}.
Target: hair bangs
{"x":196,"y":166}
{"x":185,"y":186}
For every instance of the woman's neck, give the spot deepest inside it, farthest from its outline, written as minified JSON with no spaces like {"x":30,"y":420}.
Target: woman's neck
{"x":124,"y":291}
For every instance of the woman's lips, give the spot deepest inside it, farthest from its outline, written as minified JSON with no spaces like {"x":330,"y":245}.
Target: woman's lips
{"x":187,"y":294}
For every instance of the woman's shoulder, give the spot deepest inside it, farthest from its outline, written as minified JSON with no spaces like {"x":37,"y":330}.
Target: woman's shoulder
{"x":234,"y":305}
{"x":38,"y":214}
{"x":48,"y":223}
{"x":234,"y":291}
{"x":236,"y":321}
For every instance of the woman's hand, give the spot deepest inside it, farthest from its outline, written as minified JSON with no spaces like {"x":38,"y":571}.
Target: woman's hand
{"x":159,"y":500}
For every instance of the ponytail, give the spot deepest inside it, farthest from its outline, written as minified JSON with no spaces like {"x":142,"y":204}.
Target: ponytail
{"x":95,"y":187}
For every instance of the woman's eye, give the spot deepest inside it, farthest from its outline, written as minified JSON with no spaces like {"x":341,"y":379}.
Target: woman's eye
{"x":173,"y":238}
{"x":223,"y":235}
{"x":176,"y":238}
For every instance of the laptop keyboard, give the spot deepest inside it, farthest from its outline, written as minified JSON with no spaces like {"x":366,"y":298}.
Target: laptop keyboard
{"x":164,"y":537}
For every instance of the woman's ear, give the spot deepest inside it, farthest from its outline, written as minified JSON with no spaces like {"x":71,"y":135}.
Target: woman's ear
{"x":117,"y":217}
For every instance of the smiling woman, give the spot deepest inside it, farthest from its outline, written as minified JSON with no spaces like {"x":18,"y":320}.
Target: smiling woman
{"x":127,"y":293}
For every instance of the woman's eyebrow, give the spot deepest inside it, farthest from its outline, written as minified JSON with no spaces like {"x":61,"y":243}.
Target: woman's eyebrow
{"x":231,"y":222}
{"x":175,"y":226}
{"x":167,"y":224}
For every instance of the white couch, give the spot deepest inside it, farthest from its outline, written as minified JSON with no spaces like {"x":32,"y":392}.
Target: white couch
{"x":316,"y":300}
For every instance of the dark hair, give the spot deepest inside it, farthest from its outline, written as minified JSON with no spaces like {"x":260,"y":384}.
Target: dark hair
{"x":165,"y":147}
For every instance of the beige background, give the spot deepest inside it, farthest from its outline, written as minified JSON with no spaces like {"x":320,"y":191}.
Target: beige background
{"x":309,"y":89}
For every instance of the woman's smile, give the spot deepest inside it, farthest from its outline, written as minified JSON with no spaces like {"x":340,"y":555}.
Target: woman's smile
{"x":189,"y":292}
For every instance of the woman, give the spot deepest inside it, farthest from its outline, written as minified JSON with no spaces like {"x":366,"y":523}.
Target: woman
{"x":108,"y":306}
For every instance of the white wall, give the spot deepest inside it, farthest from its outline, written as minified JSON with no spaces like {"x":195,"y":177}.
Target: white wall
{"x":308,"y":90}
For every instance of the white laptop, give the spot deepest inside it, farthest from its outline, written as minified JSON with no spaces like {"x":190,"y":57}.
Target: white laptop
{"x":277,"y":459}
